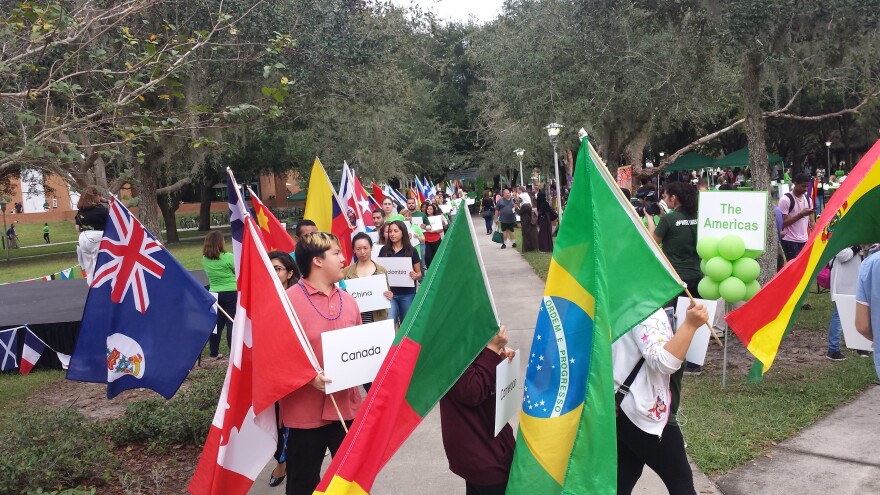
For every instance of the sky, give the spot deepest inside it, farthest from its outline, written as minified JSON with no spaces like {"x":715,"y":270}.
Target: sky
{"x":458,"y":10}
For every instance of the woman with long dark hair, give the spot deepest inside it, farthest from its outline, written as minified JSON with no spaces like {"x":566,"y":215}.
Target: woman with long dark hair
{"x":546,"y":217}
{"x":364,"y":266}
{"x":91,"y":219}
{"x":398,"y":246}
{"x":432,"y":238}
{"x":220,"y":268}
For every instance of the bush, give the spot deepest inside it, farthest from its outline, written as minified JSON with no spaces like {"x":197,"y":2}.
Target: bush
{"x":51,"y":448}
{"x":185,"y":419}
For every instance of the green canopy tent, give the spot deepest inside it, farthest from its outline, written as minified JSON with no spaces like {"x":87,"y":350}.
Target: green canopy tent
{"x":691,"y":161}
{"x":740,"y":158}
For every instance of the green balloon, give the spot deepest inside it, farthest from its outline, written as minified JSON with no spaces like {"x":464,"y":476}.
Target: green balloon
{"x":731,"y":247}
{"x":707,"y":247}
{"x":703,"y":266}
{"x":708,"y":289}
{"x":718,"y":268}
{"x":752,"y":288}
{"x":753,"y":253}
{"x":746,"y":269}
{"x":732,"y":289}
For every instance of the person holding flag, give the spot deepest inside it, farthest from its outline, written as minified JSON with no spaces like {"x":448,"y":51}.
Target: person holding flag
{"x":321,"y":306}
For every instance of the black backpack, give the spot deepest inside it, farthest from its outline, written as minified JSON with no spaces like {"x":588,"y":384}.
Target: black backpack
{"x":791,"y":202}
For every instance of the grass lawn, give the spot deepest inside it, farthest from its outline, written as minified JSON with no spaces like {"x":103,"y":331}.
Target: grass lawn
{"x":726,"y":427}
{"x":15,"y":388}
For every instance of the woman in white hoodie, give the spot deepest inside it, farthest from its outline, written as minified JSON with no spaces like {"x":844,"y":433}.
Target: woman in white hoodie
{"x":646,"y":434}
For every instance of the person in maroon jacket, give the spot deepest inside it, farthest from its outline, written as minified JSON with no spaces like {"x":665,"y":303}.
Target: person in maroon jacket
{"x":467,"y":421}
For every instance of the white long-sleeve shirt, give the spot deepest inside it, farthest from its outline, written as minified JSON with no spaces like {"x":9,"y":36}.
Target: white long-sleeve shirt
{"x":648,"y":403}
{"x":845,"y":272}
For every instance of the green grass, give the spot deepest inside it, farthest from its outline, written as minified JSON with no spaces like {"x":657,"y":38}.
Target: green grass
{"x":15,"y":388}
{"x":540,"y":262}
{"x":727,"y":427}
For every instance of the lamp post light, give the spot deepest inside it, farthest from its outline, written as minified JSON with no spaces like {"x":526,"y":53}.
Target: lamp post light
{"x":520,"y":152}
{"x":3,"y":204}
{"x":553,"y":131}
{"x":828,"y":162}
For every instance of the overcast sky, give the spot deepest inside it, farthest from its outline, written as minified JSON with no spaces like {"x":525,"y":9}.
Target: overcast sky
{"x":459,"y":10}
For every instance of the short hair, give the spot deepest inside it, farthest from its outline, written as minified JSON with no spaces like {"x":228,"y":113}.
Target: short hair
{"x":626,"y":193}
{"x":380,"y":211}
{"x":214,"y":245}
{"x":303,"y":223}
{"x":800,"y":178}
{"x":287,"y":261}
{"x":359,"y":236}
{"x":313,"y":246}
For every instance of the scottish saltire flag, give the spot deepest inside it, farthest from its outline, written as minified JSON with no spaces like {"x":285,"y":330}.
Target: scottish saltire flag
{"x":31,"y":352}
{"x":146,"y":318}
{"x":602,"y":263}
{"x":8,"y":347}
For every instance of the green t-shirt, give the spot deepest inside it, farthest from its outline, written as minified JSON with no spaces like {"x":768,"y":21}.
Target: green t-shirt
{"x":839,"y":172}
{"x":221,"y":273}
{"x":45,"y":229}
{"x":678,"y":233}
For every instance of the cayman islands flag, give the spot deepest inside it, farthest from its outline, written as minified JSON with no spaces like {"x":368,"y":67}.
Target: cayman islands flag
{"x":146,"y":318}
{"x":602,"y":264}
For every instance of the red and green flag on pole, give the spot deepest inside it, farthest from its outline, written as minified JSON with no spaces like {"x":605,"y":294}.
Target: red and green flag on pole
{"x":605,"y":276}
{"x":852,"y":216}
{"x":450,"y":322}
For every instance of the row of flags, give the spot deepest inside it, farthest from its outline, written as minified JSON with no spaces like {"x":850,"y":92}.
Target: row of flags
{"x":32,"y":350}
{"x":74,"y":271}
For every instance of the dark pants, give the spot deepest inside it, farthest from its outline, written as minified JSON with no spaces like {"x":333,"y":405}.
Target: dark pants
{"x":666,"y":457}
{"x":472,"y":489}
{"x":46,"y":237}
{"x":305,"y":454}
{"x":489,"y":221}
{"x":431,"y":249}
{"x":227,"y":301}
{"x":791,"y":249}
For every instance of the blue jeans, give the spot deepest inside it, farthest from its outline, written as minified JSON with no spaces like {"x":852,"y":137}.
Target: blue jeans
{"x":400,"y":307}
{"x":834,"y":330}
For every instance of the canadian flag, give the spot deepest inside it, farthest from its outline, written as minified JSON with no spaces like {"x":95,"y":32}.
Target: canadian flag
{"x":30,"y":354}
{"x":267,"y":361}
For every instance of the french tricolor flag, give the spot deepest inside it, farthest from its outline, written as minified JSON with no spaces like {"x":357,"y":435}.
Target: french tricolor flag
{"x":33,"y":349}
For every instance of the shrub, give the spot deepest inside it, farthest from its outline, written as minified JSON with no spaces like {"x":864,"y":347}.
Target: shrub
{"x":46,"y":448}
{"x":185,"y":419}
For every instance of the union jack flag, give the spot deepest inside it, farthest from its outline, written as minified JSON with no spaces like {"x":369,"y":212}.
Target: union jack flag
{"x":130,"y":258}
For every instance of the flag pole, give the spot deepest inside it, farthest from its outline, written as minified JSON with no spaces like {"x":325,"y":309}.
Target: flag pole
{"x":604,"y":170}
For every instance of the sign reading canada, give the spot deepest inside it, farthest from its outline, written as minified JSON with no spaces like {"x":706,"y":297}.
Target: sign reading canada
{"x":741,"y":213}
{"x":353,"y":355}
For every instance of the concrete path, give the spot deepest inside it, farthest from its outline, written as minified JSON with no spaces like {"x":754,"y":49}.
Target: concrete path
{"x":420,"y":466}
{"x":837,"y":454}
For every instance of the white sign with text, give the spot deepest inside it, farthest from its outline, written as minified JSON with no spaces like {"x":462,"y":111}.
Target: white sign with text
{"x":741,"y":213}
{"x":846,"y":308}
{"x":368,"y":292}
{"x":508,"y":398}
{"x":353,"y":355}
{"x":446,"y":208}
{"x":436,"y":223}
{"x":398,"y":271}
{"x":700,"y":344}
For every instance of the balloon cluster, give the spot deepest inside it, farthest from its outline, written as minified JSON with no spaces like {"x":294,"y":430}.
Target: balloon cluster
{"x":730,"y":269}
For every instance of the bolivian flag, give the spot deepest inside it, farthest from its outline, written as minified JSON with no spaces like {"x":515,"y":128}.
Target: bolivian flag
{"x":605,"y":277}
{"x":852,"y":216}
{"x":450,"y":322}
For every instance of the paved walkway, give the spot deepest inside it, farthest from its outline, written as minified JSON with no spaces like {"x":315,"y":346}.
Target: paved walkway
{"x":517,"y":292}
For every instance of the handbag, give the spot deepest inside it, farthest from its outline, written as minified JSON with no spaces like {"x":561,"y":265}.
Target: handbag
{"x":824,"y":278}
{"x":497,"y":236}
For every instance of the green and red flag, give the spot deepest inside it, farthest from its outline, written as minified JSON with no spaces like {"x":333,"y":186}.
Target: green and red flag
{"x":449,"y":324}
{"x":606,"y":276}
{"x":852,"y":216}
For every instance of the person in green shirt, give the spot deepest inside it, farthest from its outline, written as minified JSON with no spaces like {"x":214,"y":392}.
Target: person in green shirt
{"x":220,"y":268}
{"x":46,"y":232}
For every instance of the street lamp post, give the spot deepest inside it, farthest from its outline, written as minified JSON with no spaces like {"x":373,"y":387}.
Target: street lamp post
{"x":553,"y":131}
{"x":520,"y":152}
{"x":3,"y":204}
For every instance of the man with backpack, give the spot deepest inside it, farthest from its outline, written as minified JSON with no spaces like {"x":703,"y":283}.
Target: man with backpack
{"x":797,"y":216}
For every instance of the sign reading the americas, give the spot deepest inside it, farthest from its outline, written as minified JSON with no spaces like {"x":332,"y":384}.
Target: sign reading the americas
{"x":742,"y":213}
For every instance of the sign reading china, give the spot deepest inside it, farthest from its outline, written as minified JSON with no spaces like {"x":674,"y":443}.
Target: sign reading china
{"x":353,"y":355}
{"x":369,"y":292}
{"x":742,"y":213}
{"x":508,"y":396}
{"x":398,"y":271}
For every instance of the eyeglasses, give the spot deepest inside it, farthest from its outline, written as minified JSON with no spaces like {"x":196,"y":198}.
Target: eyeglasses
{"x":279,"y":269}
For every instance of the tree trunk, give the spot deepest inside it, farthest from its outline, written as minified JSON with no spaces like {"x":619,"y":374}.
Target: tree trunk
{"x":635,"y":150}
{"x":754,"y":128}
{"x":148,"y":207}
{"x":168,"y":204}
{"x":205,"y":205}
